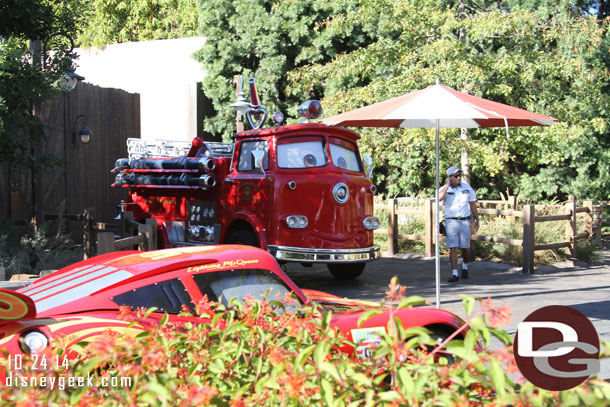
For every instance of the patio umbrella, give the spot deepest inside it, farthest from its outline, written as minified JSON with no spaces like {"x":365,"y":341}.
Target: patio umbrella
{"x":434,"y":107}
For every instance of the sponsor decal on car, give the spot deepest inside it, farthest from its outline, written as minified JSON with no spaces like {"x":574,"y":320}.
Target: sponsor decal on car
{"x":223,"y":265}
{"x":367,"y":340}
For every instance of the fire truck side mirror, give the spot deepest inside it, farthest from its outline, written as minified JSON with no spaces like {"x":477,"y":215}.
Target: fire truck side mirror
{"x":368,"y":166}
{"x":258,"y":156}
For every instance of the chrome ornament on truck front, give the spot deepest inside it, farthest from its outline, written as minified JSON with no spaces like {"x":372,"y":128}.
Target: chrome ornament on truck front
{"x":256,"y":114}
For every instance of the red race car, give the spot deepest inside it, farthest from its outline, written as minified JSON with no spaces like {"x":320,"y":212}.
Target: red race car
{"x":81,"y":301}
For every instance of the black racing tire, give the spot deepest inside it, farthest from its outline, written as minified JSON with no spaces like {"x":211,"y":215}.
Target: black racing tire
{"x":438,"y":334}
{"x":242,"y":236}
{"x":346,"y":271}
{"x":439,"y":337}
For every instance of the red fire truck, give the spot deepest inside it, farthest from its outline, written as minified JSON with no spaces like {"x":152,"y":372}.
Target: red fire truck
{"x":299,"y":191}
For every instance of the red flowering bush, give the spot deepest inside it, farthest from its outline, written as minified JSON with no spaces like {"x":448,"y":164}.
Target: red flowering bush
{"x":253,"y":354}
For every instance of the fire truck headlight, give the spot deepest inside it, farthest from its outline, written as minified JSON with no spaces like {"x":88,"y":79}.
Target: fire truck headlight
{"x":296,"y":221}
{"x":371,"y":223}
{"x":278,"y":118}
{"x":33,"y":342}
{"x":341,"y":193}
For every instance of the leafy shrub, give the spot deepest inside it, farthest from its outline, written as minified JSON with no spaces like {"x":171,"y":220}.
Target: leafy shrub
{"x":37,"y":250}
{"x":252,"y":354}
{"x":509,"y":228}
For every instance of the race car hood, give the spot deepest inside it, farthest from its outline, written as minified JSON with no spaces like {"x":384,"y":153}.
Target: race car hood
{"x":15,"y":306}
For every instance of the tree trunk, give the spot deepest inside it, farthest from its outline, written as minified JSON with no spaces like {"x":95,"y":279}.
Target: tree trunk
{"x":465,"y":161}
{"x":603,"y":10}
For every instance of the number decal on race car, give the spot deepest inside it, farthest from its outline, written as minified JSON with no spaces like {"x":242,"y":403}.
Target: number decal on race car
{"x":15,"y":306}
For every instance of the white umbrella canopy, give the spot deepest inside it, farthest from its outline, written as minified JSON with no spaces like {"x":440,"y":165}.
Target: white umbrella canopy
{"x":434,"y":107}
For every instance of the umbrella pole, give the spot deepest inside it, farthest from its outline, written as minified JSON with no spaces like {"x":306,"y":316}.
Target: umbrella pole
{"x":437,"y":256}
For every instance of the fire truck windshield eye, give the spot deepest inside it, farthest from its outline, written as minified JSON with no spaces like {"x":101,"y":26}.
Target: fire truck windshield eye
{"x":302,"y":154}
{"x":345,"y":158}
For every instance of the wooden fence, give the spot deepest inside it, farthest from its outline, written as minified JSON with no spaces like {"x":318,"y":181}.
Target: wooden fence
{"x":145,"y":239}
{"x":88,"y":227}
{"x":99,"y":237}
{"x":592,"y":210}
{"x":83,"y":179}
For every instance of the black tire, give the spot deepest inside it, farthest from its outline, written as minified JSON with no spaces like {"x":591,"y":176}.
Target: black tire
{"x":346,"y":271}
{"x":439,"y":337}
{"x":242,"y":236}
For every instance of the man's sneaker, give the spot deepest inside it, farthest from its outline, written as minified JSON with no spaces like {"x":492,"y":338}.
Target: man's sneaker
{"x":464,"y":274}
{"x":453,"y":279}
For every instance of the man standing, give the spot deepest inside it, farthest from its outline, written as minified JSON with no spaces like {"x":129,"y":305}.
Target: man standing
{"x":460,"y":209}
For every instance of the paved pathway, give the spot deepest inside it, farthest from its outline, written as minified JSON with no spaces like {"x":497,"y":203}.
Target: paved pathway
{"x":579,"y":285}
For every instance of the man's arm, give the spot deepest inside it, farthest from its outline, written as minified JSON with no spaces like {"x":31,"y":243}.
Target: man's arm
{"x":443,"y":191}
{"x":475,"y":214}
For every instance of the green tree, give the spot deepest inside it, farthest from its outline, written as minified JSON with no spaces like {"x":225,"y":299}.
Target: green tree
{"x":116,"y":21}
{"x":549,"y":65}
{"x":266,"y":39}
{"x":31,"y":19}
{"x":28,"y":76}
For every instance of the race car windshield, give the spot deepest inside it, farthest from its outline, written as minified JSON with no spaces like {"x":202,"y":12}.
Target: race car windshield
{"x":257,"y":283}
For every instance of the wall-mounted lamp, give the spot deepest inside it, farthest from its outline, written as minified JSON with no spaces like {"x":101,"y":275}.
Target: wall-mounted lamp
{"x":84,"y":133}
{"x":70,"y":78}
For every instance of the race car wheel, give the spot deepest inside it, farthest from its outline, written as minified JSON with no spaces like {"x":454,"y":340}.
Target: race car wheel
{"x":346,"y":271}
{"x":242,"y":236}
{"x":439,"y":337}
{"x":438,"y":334}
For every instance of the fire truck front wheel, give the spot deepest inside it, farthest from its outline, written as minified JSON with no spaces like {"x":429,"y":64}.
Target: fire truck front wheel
{"x":242,"y":236}
{"x":346,"y":271}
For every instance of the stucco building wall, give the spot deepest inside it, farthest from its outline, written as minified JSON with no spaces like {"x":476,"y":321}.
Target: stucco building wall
{"x":165,"y":75}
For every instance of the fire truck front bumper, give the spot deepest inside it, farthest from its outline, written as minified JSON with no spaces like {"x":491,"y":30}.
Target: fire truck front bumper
{"x":307,"y":255}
